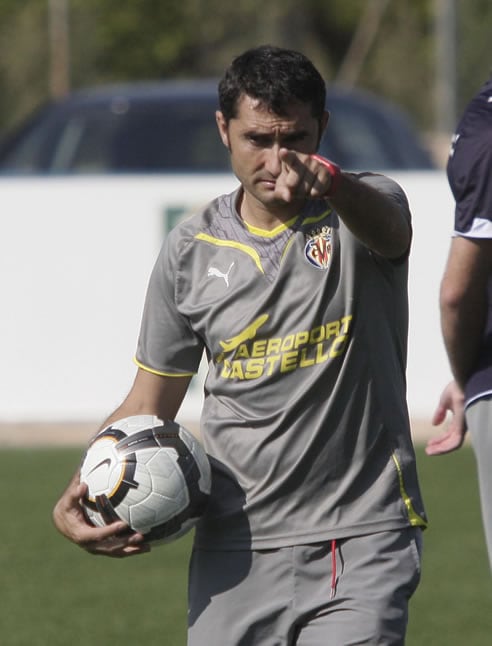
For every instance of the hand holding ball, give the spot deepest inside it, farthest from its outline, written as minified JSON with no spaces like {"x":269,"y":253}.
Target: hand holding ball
{"x":152,"y":474}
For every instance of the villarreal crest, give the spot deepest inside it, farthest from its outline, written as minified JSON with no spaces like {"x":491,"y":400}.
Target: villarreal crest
{"x":318,"y":248}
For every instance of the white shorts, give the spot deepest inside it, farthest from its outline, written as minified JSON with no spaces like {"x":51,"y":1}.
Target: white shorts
{"x":352,"y":591}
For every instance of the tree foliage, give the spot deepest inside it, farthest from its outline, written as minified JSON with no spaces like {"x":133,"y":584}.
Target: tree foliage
{"x":474,"y":47}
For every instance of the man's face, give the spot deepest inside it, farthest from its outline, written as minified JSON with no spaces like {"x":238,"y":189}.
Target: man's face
{"x":254,"y":139}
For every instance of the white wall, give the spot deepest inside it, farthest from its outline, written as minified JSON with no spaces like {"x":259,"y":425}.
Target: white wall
{"x":75,"y":256}
{"x":433,"y":219}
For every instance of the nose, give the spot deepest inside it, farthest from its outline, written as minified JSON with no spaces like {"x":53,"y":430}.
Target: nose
{"x":272,"y":160}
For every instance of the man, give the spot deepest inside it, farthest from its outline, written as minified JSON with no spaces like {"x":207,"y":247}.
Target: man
{"x":295,"y":287}
{"x":466,"y":297}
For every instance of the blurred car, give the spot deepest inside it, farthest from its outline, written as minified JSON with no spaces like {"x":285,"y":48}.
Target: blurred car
{"x":169,"y":126}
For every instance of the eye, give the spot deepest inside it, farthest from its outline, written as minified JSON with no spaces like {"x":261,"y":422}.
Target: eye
{"x":295,"y":138}
{"x":260,"y":141}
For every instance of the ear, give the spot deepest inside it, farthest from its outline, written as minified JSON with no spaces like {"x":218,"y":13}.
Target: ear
{"x":223,"y":128}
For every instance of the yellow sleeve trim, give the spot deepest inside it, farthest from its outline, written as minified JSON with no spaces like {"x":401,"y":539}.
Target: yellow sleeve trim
{"x":235,"y":245}
{"x":160,"y":373}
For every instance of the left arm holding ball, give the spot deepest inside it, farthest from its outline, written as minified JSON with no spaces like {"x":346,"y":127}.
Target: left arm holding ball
{"x":150,"y":394}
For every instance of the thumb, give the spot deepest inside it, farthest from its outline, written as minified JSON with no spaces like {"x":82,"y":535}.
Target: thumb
{"x":439,"y":415}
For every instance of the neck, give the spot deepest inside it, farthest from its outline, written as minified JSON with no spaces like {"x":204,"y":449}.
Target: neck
{"x":264,"y":217}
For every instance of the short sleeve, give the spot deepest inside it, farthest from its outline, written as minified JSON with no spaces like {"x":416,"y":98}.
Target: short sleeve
{"x":469,"y":171}
{"x":390,"y":188}
{"x":167,"y":343}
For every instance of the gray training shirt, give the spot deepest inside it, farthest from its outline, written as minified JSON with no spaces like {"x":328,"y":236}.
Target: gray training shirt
{"x":305,"y":417}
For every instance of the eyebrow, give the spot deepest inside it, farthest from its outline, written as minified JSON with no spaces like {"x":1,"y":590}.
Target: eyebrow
{"x":268,"y":134}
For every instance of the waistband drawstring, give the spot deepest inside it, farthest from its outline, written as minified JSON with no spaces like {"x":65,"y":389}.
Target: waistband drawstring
{"x":333,"y":569}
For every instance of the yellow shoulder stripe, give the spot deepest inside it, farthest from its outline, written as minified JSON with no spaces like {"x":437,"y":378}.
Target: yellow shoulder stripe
{"x":316,"y":218}
{"x":235,"y":245}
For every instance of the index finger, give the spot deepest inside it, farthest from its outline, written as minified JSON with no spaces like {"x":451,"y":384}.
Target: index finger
{"x":96,"y":533}
{"x":291,"y":158}
{"x":118,"y":545}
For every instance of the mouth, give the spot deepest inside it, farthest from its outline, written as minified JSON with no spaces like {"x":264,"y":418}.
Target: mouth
{"x":267,"y":183}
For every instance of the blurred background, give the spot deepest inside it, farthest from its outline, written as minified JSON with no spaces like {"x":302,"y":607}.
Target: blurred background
{"x":92,"y":182}
{"x":427,"y":56}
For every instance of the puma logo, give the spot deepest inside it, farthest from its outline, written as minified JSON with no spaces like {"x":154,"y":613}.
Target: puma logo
{"x":213,"y":271}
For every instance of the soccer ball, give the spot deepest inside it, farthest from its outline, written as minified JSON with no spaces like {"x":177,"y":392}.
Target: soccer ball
{"x":152,"y":474}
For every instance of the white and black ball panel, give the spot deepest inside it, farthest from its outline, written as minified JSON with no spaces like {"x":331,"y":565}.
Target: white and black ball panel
{"x":154,"y":475}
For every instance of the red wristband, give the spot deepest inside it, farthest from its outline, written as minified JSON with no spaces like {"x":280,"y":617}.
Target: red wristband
{"x":335,"y":172}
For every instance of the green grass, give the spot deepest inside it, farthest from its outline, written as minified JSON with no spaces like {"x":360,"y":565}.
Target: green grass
{"x":453,"y":605}
{"x":55,"y":594}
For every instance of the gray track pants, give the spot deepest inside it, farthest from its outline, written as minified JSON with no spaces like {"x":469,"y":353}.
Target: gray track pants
{"x":479,"y":420}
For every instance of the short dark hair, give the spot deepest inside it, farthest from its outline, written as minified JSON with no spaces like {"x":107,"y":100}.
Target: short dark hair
{"x":276,"y":77}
